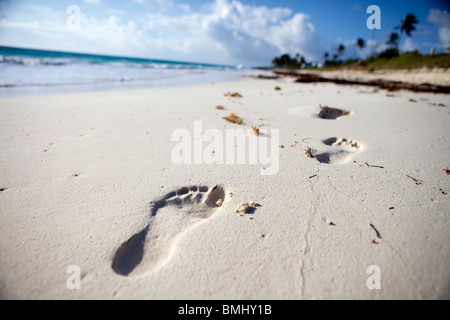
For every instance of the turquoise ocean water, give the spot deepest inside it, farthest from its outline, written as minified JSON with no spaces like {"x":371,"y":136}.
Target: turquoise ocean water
{"x":36,"y":72}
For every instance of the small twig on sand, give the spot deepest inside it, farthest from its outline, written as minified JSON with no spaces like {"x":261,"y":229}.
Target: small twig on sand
{"x":374,"y":166}
{"x":417,"y":181}
{"x":378,"y":234}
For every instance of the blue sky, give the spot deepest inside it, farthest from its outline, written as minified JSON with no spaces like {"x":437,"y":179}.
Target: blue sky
{"x":233,"y":32}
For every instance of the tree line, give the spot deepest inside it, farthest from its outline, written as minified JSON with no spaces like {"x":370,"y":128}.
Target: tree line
{"x":407,"y":25}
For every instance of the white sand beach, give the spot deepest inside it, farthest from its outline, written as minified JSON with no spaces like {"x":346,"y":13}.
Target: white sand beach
{"x":88,"y":180}
{"x":436,"y":76}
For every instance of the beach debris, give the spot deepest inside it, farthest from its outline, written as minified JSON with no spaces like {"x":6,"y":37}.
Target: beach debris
{"x":392,"y":88}
{"x":246,"y":208}
{"x":230,"y":194}
{"x":375,"y":242}
{"x":391,"y":208}
{"x":219,"y":203}
{"x":233,"y":94}
{"x":417,"y":181}
{"x":282,"y":146}
{"x":233,"y":118}
{"x":373,"y":166}
{"x":442,"y":191}
{"x":378,"y":83}
{"x":220,"y":108}
{"x":277,"y":88}
{"x":359,"y":165}
{"x":367,"y":164}
{"x":309,"y":152}
{"x":255,"y":130}
{"x":313,"y":176}
{"x":2,"y":189}
{"x":266,"y":77}
{"x":412,"y":100}
{"x":446,"y":170}
{"x":331,"y":113}
{"x":375,"y":90}
{"x":377,"y":232}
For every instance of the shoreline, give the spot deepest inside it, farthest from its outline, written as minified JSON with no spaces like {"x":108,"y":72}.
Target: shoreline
{"x":82,"y":175}
{"x":173,"y":81}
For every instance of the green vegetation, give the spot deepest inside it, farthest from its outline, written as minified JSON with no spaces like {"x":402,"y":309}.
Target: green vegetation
{"x":285,"y":61}
{"x":410,"y":60}
{"x":388,"y":59}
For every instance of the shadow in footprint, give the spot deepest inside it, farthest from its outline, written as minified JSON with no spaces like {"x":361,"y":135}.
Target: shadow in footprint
{"x":170,"y":217}
{"x":130,"y":253}
{"x":332,"y":113}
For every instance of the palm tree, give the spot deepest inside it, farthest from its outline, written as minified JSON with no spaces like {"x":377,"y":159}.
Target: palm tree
{"x":341,"y":49}
{"x":407,"y":25}
{"x":360,"y":43}
{"x":325,"y":56}
{"x":393,"y":40}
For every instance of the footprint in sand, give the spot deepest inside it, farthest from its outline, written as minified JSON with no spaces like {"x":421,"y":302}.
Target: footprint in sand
{"x":325,"y":112}
{"x":170,"y":217}
{"x":331,"y":113}
{"x":341,"y":150}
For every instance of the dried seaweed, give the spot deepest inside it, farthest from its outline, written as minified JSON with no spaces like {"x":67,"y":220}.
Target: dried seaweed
{"x":255,"y":130}
{"x":232,"y":118}
{"x":233,"y":94}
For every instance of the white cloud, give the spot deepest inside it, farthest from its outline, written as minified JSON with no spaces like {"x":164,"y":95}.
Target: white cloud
{"x":93,"y":1}
{"x":229,"y":32}
{"x":444,"y":36}
{"x":409,"y":45}
{"x":441,"y":18}
{"x":243,"y":34}
{"x":162,"y":3}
